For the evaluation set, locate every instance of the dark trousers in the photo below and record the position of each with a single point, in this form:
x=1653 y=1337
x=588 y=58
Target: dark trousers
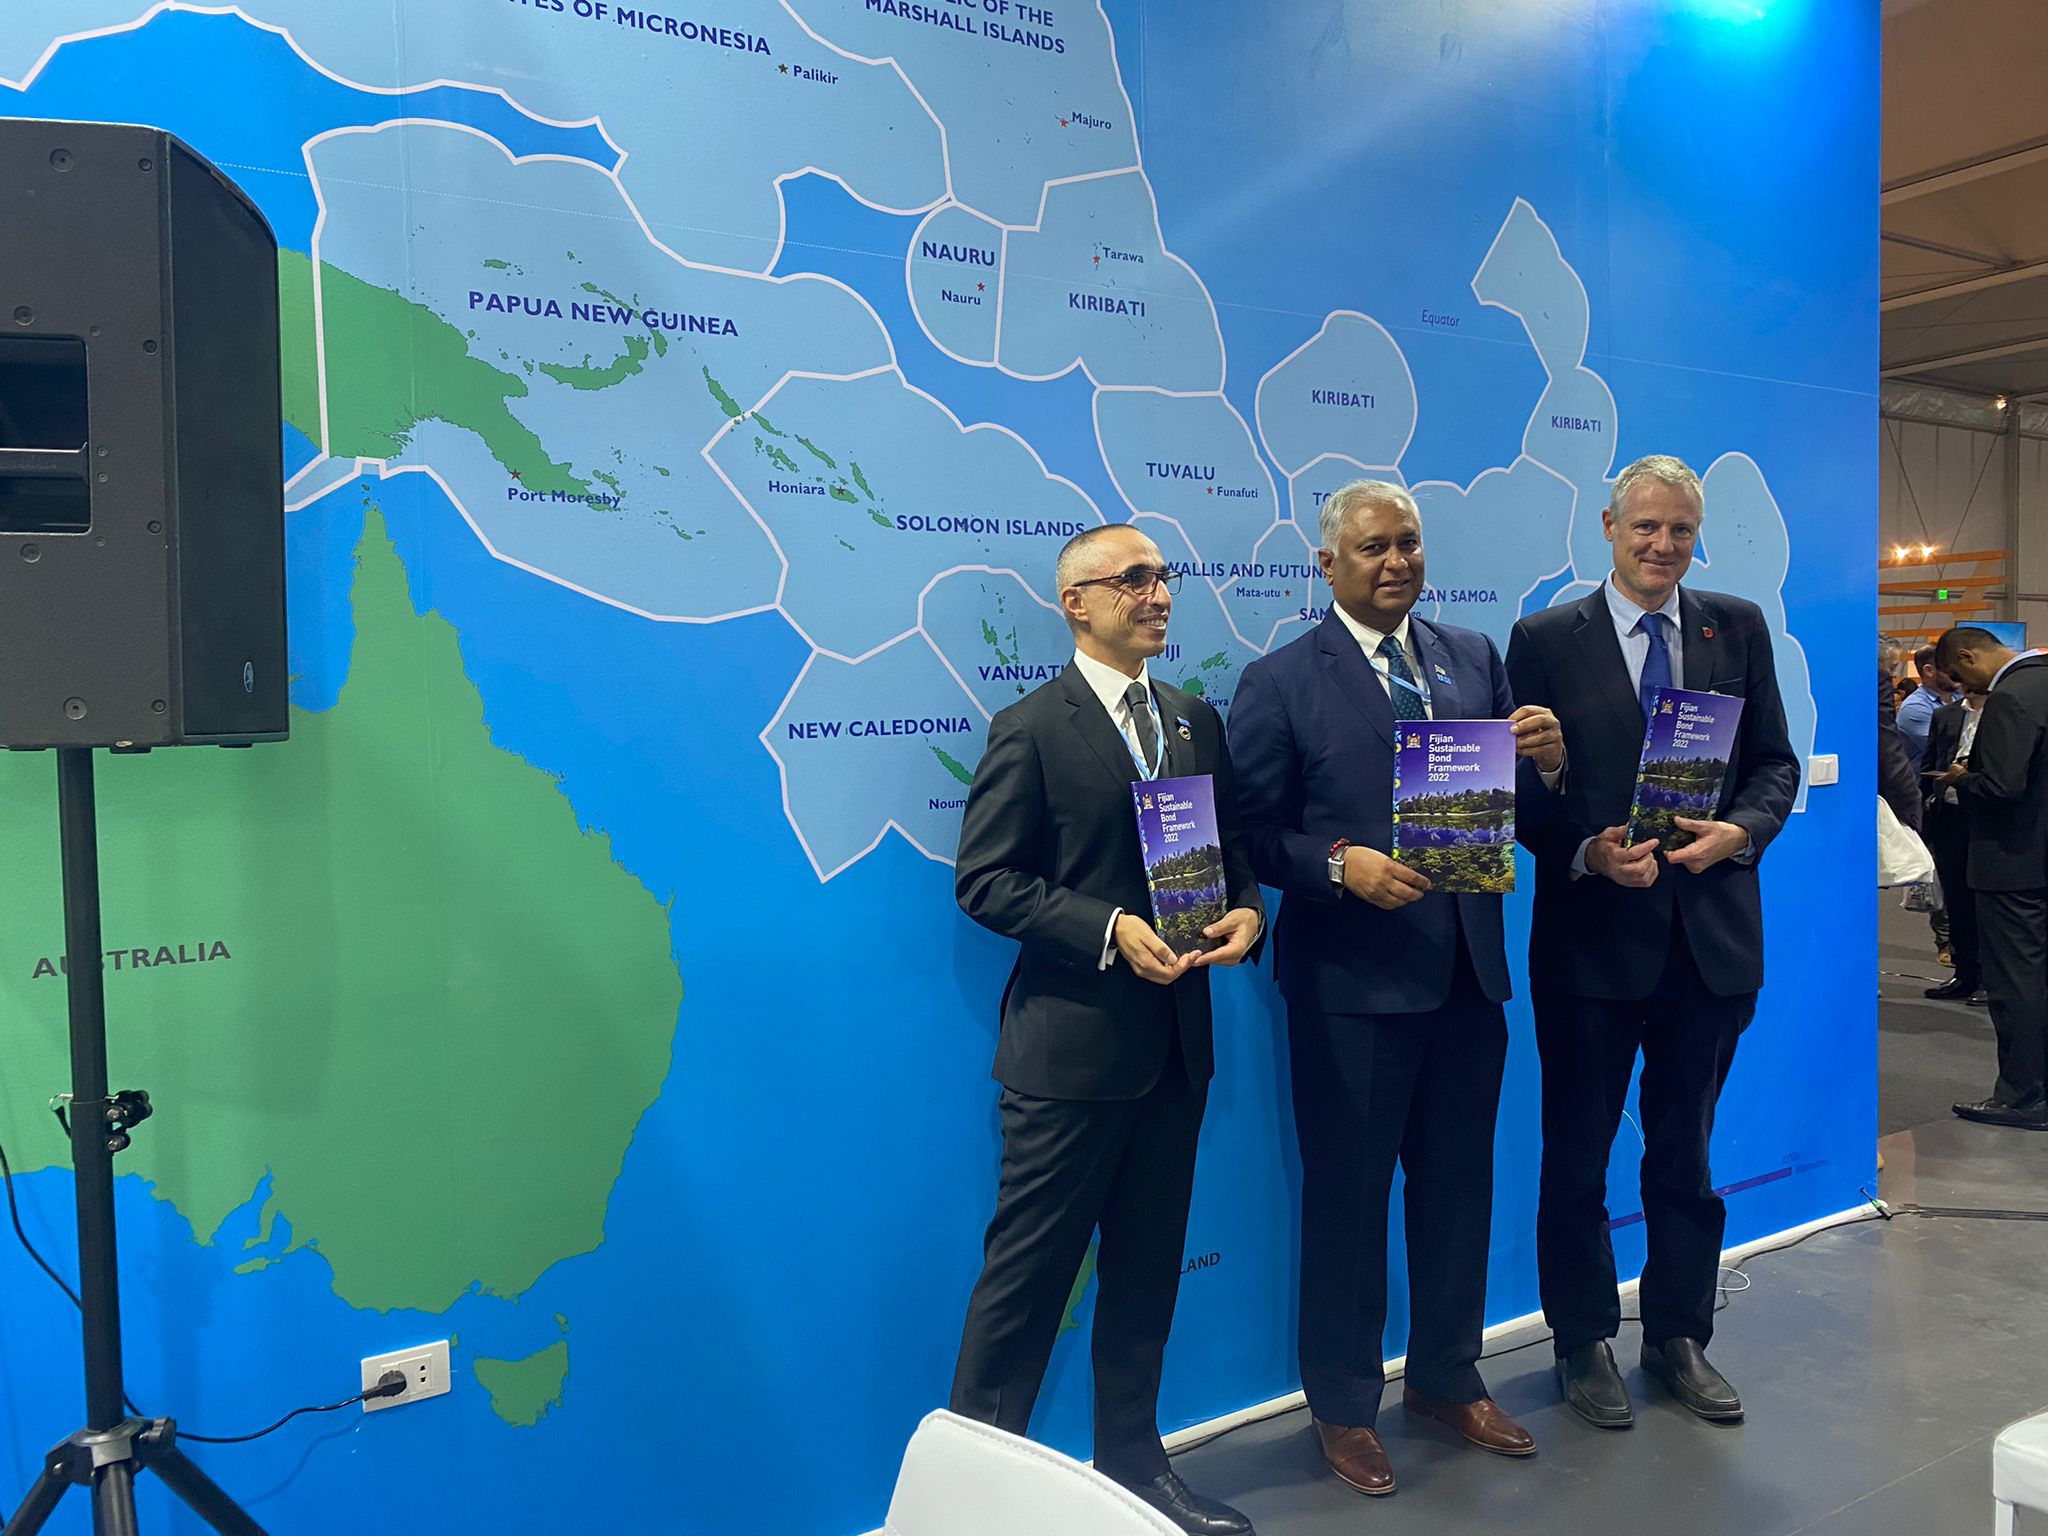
x=1588 y=1046
x=1948 y=839
x=1370 y=1090
x=1070 y=1166
x=2013 y=933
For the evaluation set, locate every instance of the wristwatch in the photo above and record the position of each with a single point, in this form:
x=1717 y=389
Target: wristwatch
x=1337 y=863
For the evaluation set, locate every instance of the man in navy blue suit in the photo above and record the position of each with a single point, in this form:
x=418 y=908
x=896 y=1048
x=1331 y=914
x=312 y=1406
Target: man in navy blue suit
x=1636 y=948
x=1394 y=992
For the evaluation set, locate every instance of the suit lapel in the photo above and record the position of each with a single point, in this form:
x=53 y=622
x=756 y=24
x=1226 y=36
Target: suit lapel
x=1175 y=706
x=1344 y=664
x=1446 y=702
x=1706 y=647
x=1096 y=728
x=1606 y=665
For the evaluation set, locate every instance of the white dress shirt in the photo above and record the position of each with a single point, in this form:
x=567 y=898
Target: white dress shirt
x=1635 y=645
x=1370 y=641
x=1111 y=686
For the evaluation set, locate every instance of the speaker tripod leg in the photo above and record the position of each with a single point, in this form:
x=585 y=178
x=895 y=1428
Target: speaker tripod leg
x=113 y=1500
x=202 y=1495
x=41 y=1502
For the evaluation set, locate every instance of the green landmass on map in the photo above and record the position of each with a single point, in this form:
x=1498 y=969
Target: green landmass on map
x=589 y=376
x=954 y=766
x=373 y=406
x=522 y=1391
x=434 y=1004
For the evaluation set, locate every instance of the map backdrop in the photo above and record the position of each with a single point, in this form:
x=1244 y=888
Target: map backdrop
x=685 y=409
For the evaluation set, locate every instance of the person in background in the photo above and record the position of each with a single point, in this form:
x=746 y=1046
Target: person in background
x=1916 y=712
x=1935 y=690
x=1946 y=827
x=2003 y=786
x=1898 y=778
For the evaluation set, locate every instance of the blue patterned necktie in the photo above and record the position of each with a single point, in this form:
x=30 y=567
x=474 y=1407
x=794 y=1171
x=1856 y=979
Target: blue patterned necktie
x=1656 y=665
x=1405 y=696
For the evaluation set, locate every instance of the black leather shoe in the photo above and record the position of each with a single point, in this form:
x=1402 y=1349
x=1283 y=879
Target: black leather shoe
x=1189 y=1510
x=1951 y=991
x=2030 y=1114
x=1593 y=1387
x=1979 y=999
x=1681 y=1366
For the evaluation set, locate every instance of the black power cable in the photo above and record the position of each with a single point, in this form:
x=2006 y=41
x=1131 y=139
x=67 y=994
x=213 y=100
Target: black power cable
x=390 y=1384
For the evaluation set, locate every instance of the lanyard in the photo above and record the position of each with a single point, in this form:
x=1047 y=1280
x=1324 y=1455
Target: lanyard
x=1149 y=770
x=1379 y=665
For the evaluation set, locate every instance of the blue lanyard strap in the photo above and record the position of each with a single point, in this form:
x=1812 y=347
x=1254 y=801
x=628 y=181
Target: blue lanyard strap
x=1392 y=681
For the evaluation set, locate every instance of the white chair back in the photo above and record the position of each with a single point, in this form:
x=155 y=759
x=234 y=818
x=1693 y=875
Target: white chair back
x=960 y=1478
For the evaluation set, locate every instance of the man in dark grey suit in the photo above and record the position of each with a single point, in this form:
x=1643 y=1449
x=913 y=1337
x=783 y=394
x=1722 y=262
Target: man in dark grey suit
x=2003 y=786
x=1105 y=1053
x=1636 y=948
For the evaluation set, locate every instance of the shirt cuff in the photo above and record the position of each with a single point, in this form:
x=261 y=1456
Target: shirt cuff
x=1579 y=859
x=1109 y=941
x=1551 y=780
x=1746 y=854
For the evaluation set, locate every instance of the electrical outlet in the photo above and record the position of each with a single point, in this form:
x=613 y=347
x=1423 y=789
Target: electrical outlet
x=425 y=1367
x=1823 y=768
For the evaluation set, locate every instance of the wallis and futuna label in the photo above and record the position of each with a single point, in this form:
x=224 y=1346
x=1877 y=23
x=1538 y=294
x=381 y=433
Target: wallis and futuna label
x=143 y=959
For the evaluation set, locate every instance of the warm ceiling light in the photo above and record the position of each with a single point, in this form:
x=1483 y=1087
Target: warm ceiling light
x=1899 y=552
x=1998 y=404
x=1926 y=550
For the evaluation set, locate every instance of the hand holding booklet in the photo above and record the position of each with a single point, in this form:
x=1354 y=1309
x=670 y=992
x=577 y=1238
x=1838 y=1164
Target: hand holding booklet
x=1454 y=803
x=1183 y=858
x=1687 y=747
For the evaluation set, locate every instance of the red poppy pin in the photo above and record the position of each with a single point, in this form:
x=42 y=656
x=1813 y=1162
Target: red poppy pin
x=1706 y=631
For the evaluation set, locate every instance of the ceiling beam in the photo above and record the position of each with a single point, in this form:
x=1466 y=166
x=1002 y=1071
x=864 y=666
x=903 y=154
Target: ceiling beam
x=2013 y=348
x=1941 y=250
x=2033 y=152
x=2019 y=272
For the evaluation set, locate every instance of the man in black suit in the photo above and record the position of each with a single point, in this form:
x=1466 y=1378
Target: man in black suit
x=1946 y=826
x=1641 y=948
x=1395 y=1029
x=2003 y=786
x=1105 y=1053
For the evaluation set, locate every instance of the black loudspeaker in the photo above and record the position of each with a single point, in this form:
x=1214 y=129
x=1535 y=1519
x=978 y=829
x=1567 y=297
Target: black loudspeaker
x=141 y=449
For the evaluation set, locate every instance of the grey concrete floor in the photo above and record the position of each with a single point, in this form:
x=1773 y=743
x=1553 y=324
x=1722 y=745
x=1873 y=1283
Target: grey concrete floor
x=1877 y=1363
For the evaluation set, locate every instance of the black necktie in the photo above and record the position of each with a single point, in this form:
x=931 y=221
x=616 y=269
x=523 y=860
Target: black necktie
x=1141 y=723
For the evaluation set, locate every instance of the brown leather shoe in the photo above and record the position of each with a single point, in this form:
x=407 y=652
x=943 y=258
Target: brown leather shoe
x=1355 y=1455
x=1482 y=1423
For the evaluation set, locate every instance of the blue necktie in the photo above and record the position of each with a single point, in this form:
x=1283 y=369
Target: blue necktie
x=1405 y=696
x=1656 y=665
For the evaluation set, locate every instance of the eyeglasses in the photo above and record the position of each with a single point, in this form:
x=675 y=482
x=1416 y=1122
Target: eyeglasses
x=1137 y=580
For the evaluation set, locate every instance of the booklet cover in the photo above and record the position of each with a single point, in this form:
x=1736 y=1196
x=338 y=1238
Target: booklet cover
x=1183 y=858
x=1454 y=803
x=1686 y=748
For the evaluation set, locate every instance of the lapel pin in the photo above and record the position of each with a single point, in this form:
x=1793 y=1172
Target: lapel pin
x=1706 y=631
x=1442 y=676
x=1186 y=734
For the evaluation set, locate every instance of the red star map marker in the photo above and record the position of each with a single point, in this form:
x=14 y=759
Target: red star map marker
x=515 y=474
x=782 y=69
x=981 y=287
x=1212 y=490
x=1063 y=122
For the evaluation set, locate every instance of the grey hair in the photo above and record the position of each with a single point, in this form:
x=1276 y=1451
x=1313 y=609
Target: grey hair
x=1660 y=467
x=1346 y=499
x=1069 y=568
x=1888 y=652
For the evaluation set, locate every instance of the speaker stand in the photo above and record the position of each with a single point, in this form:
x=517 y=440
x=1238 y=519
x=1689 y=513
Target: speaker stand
x=113 y=1448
